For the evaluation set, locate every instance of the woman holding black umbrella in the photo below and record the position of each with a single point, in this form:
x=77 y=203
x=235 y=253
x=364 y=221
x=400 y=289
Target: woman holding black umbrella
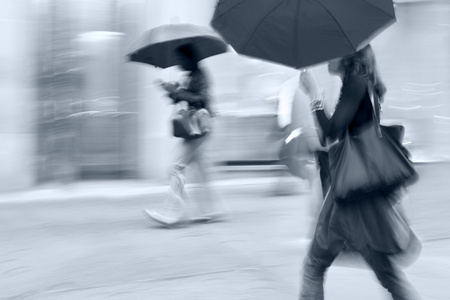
x=184 y=45
x=191 y=151
x=370 y=226
x=305 y=33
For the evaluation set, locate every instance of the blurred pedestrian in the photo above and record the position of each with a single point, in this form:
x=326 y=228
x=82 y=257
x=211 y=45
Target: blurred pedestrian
x=319 y=147
x=191 y=95
x=300 y=138
x=370 y=226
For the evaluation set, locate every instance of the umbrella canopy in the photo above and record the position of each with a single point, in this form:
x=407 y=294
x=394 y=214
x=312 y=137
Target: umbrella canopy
x=301 y=33
x=156 y=46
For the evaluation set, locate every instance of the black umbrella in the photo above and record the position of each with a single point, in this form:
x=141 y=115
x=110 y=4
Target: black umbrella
x=156 y=46
x=301 y=33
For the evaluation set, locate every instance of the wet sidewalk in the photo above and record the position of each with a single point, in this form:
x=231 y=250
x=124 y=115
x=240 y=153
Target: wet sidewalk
x=90 y=241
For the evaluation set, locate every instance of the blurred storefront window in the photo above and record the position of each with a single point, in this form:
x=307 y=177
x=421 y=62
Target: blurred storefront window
x=82 y=127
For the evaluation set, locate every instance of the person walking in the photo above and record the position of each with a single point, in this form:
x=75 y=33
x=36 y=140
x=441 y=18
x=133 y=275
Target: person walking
x=193 y=94
x=370 y=226
x=301 y=140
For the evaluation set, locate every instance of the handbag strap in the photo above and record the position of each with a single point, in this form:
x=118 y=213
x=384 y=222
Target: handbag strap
x=375 y=103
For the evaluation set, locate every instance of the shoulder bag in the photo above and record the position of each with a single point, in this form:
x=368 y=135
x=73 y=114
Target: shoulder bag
x=372 y=161
x=191 y=123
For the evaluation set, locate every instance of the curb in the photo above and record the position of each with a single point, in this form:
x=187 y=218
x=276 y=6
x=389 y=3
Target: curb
x=113 y=190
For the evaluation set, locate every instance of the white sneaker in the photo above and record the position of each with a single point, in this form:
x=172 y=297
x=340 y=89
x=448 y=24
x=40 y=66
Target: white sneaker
x=160 y=219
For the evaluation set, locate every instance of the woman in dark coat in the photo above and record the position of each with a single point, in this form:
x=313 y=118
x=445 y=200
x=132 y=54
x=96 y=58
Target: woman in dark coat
x=371 y=226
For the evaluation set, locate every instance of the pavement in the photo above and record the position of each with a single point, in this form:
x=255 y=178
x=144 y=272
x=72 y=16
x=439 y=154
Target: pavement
x=89 y=240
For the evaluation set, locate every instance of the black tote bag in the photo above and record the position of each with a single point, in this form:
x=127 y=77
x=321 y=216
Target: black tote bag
x=371 y=161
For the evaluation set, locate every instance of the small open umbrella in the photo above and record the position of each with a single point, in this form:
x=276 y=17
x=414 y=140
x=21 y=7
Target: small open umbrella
x=301 y=33
x=156 y=46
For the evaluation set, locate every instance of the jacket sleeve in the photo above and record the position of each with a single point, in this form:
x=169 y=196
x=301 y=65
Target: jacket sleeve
x=196 y=94
x=193 y=98
x=353 y=92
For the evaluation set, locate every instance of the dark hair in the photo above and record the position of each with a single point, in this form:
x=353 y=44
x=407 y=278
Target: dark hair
x=363 y=63
x=189 y=51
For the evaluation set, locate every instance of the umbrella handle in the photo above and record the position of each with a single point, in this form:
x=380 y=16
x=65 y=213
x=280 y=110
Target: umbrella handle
x=308 y=83
x=167 y=86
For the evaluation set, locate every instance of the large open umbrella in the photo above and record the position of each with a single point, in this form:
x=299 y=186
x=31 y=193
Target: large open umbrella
x=301 y=33
x=156 y=46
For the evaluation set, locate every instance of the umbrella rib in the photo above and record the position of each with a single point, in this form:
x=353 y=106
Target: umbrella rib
x=223 y=12
x=337 y=22
x=252 y=32
x=296 y=35
x=380 y=9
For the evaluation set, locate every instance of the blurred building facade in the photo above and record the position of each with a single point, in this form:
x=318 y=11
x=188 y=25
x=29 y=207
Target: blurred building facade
x=73 y=108
x=18 y=92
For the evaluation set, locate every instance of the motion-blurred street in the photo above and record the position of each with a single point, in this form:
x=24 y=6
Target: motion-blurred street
x=90 y=241
x=87 y=142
